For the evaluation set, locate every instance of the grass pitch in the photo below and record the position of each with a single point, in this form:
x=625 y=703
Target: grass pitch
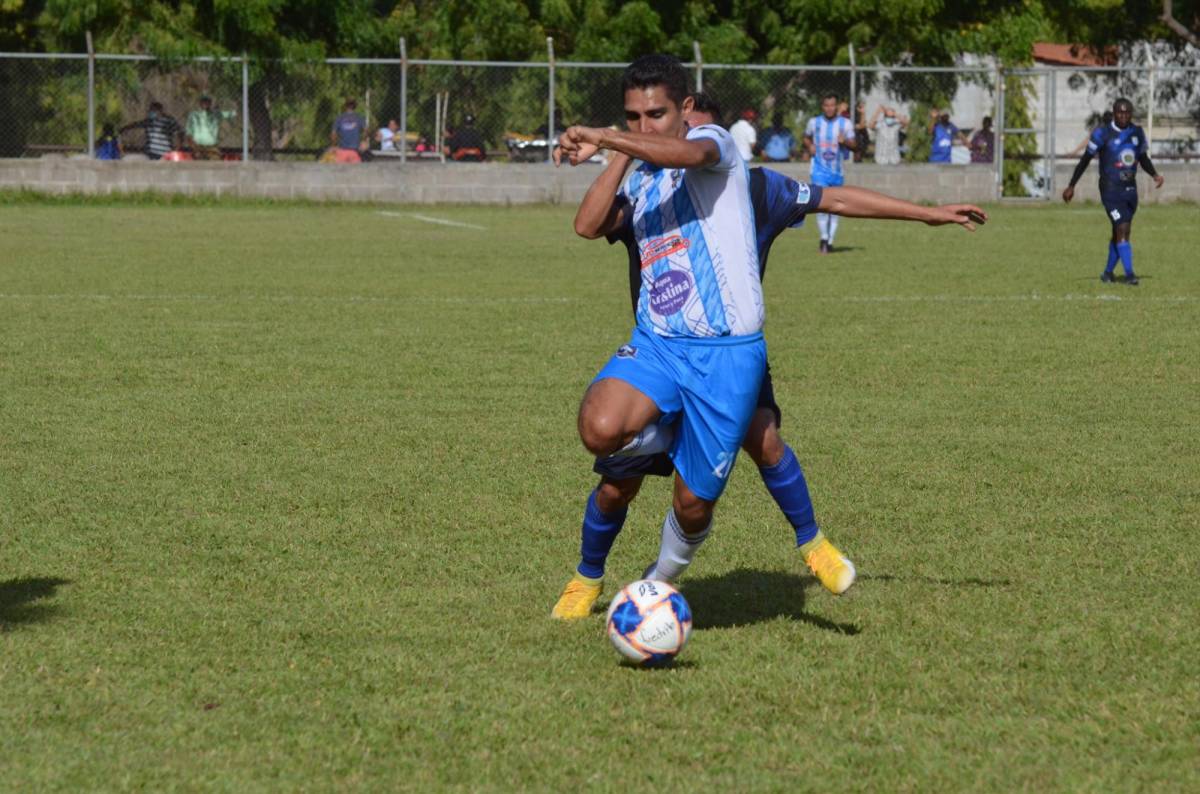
x=287 y=493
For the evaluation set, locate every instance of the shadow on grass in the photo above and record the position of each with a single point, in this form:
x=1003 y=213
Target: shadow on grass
x=17 y=597
x=742 y=597
x=969 y=581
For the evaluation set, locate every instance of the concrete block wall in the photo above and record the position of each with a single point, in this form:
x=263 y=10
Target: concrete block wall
x=487 y=183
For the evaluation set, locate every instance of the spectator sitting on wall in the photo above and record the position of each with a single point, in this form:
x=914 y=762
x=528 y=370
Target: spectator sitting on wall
x=204 y=129
x=779 y=145
x=465 y=144
x=943 y=133
x=887 y=134
x=162 y=131
x=108 y=145
x=388 y=137
x=347 y=134
x=983 y=143
x=745 y=137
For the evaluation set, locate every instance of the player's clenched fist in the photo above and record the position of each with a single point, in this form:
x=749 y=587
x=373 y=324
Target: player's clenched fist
x=578 y=144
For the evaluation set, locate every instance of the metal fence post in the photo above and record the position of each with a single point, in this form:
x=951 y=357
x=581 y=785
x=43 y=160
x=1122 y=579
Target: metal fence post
x=853 y=99
x=699 y=65
x=245 y=108
x=1150 y=101
x=1051 y=118
x=550 y=105
x=403 y=101
x=91 y=98
x=1001 y=123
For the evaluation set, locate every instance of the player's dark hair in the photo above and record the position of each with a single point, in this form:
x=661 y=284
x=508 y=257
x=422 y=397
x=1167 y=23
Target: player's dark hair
x=987 y=121
x=1123 y=101
x=704 y=103
x=830 y=95
x=653 y=70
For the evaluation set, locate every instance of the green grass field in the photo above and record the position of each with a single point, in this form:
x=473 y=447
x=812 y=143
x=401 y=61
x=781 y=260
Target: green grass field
x=287 y=493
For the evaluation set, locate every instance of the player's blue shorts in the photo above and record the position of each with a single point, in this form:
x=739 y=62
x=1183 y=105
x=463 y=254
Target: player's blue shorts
x=709 y=384
x=826 y=178
x=1120 y=206
x=626 y=467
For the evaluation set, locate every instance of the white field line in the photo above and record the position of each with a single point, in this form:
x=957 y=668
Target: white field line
x=185 y=298
x=427 y=219
x=536 y=299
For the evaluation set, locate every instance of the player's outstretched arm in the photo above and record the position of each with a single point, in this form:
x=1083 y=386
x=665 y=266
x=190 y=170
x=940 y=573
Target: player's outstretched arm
x=600 y=212
x=580 y=143
x=858 y=202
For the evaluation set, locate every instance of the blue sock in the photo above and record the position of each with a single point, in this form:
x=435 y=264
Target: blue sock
x=599 y=531
x=785 y=481
x=1112 y=257
x=1125 y=251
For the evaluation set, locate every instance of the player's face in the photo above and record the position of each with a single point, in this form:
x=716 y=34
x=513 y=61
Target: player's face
x=829 y=107
x=651 y=110
x=1122 y=115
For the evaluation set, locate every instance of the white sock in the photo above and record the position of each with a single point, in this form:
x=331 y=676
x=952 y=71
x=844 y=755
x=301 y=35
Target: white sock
x=676 y=550
x=823 y=225
x=653 y=439
x=833 y=222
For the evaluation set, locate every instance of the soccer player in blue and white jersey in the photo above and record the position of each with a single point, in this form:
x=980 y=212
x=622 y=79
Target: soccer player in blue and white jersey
x=779 y=203
x=1121 y=147
x=825 y=137
x=696 y=357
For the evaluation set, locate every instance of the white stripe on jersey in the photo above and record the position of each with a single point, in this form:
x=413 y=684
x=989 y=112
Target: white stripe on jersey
x=695 y=230
x=824 y=133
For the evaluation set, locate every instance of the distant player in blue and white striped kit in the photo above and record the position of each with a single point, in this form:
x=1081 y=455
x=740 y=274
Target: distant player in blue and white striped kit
x=1121 y=146
x=826 y=137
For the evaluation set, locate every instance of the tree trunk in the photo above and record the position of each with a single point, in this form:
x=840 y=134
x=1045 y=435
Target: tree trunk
x=260 y=121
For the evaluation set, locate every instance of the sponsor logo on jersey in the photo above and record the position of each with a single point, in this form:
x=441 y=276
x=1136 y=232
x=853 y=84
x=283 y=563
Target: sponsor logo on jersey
x=659 y=247
x=829 y=154
x=803 y=194
x=626 y=351
x=1128 y=158
x=669 y=292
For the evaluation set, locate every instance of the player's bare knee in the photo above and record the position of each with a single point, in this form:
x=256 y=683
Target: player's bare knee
x=763 y=443
x=614 y=495
x=600 y=431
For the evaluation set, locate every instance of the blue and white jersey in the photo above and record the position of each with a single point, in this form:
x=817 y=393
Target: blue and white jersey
x=695 y=235
x=827 y=161
x=1118 y=150
x=780 y=203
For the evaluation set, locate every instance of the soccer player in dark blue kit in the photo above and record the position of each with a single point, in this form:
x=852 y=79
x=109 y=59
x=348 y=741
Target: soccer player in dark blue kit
x=779 y=203
x=1121 y=147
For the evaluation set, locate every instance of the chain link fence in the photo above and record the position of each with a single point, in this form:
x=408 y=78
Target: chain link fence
x=63 y=104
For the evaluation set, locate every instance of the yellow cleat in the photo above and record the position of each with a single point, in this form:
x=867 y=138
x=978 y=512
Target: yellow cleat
x=831 y=567
x=577 y=598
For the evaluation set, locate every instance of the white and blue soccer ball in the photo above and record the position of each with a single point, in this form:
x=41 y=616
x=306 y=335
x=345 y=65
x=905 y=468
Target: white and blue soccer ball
x=649 y=622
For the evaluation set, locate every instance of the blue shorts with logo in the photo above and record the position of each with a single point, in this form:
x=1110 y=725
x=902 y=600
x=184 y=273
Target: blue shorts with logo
x=1120 y=206
x=626 y=467
x=709 y=384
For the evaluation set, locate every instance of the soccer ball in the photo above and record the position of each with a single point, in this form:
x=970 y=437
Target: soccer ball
x=649 y=622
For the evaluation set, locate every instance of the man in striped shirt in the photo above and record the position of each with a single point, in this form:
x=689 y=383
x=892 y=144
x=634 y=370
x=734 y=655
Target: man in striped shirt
x=825 y=137
x=162 y=131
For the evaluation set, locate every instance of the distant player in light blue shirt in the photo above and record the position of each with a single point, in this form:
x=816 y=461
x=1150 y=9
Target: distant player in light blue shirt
x=826 y=137
x=1121 y=147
